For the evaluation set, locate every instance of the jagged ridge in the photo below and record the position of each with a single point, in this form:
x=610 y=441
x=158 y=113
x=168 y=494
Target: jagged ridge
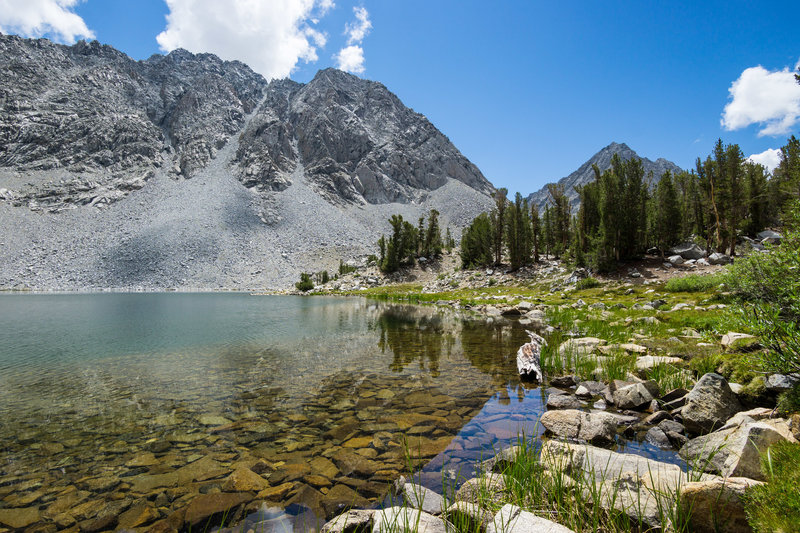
x=585 y=173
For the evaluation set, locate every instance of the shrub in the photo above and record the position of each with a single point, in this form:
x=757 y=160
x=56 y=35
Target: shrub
x=694 y=283
x=775 y=505
x=305 y=284
x=344 y=268
x=789 y=401
x=587 y=283
x=769 y=288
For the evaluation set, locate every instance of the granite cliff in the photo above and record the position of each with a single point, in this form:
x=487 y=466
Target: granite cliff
x=188 y=171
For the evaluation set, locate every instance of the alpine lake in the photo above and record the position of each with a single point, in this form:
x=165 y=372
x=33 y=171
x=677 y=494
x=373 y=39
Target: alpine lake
x=118 y=410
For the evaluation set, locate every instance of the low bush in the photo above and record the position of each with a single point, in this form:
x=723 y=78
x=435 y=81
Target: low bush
x=694 y=283
x=587 y=283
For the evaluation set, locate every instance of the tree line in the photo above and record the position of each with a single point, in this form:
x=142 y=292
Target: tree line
x=622 y=214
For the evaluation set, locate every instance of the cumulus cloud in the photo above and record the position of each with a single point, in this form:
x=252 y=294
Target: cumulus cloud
x=39 y=18
x=351 y=57
x=271 y=37
x=769 y=158
x=768 y=98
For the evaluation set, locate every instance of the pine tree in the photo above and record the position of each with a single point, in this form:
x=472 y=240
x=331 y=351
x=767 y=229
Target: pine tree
x=787 y=174
x=559 y=218
x=433 y=236
x=536 y=231
x=477 y=243
x=757 y=197
x=498 y=218
x=518 y=232
x=666 y=213
x=547 y=230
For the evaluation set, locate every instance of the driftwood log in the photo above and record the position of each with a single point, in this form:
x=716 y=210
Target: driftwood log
x=528 y=357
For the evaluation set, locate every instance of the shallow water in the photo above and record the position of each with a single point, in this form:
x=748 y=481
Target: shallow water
x=113 y=401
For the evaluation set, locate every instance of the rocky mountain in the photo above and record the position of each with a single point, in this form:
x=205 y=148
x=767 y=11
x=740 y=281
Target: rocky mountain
x=188 y=171
x=585 y=173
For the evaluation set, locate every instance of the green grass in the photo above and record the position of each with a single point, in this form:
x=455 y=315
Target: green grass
x=775 y=506
x=670 y=377
x=694 y=283
x=577 y=499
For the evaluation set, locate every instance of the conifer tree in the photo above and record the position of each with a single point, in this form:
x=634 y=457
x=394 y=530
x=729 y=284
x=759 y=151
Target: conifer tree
x=498 y=218
x=518 y=232
x=536 y=232
x=433 y=236
x=559 y=218
x=757 y=197
x=666 y=213
x=477 y=243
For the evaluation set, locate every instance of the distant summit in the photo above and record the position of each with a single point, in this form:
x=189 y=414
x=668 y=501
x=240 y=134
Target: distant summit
x=602 y=159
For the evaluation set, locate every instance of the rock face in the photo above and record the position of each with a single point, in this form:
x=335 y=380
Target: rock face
x=356 y=140
x=709 y=404
x=188 y=171
x=93 y=124
x=602 y=159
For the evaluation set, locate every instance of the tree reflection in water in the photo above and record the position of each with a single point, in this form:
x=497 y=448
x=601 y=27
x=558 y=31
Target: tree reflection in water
x=425 y=335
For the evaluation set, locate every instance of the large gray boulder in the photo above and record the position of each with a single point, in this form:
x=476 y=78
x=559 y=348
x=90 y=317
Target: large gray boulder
x=735 y=451
x=719 y=259
x=709 y=404
x=717 y=505
x=573 y=424
x=688 y=250
x=512 y=519
x=625 y=483
x=422 y=498
x=468 y=516
x=636 y=396
x=408 y=519
x=350 y=522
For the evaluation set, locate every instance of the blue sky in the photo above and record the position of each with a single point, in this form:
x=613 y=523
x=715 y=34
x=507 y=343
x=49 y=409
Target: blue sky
x=527 y=90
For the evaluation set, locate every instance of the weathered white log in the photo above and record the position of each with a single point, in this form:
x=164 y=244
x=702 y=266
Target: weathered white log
x=528 y=357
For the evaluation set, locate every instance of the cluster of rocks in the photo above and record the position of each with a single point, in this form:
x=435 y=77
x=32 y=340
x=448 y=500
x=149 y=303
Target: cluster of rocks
x=333 y=453
x=420 y=509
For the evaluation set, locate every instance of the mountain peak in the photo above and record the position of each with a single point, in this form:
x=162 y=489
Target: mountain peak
x=585 y=173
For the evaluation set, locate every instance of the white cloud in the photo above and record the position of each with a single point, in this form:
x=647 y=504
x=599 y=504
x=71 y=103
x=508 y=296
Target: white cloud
x=39 y=18
x=351 y=57
x=769 y=158
x=359 y=29
x=768 y=98
x=271 y=37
